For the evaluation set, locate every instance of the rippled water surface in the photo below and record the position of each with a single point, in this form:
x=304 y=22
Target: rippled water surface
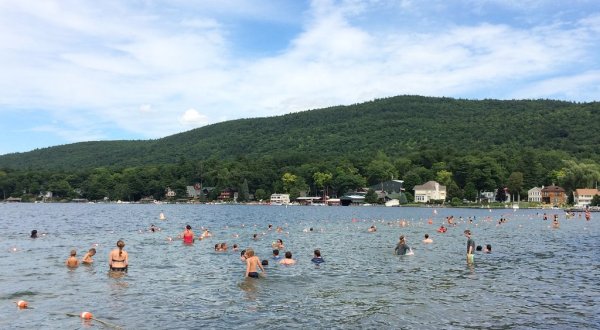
x=536 y=277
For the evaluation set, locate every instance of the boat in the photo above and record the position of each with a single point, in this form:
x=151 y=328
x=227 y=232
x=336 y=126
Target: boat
x=392 y=202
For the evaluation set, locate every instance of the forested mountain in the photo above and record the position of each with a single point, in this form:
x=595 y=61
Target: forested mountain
x=397 y=126
x=478 y=142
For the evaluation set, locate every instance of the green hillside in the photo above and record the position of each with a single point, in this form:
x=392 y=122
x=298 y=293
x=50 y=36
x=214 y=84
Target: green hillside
x=467 y=145
x=398 y=126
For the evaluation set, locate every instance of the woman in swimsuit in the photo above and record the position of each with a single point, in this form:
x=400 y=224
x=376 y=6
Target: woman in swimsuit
x=188 y=235
x=118 y=259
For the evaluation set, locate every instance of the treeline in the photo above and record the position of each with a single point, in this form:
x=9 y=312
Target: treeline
x=463 y=175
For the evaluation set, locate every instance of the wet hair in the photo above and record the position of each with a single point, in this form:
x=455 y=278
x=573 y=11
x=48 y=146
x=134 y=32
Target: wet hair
x=73 y=253
x=279 y=241
x=235 y=246
x=188 y=227
x=120 y=245
x=478 y=248
x=288 y=255
x=217 y=246
x=92 y=250
x=426 y=235
x=34 y=233
x=317 y=253
x=402 y=240
x=311 y=229
x=265 y=262
x=468 y=232
x=250 y=252
x=489 y=247
x=275 y=252
x=242 y=253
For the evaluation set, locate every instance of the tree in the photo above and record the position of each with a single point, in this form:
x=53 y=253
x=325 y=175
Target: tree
x=515 y=184
x=501 y=195
x=261 y=195
x=371 y=197
x=595 y=200
x=289 y=181
x=243 y=192
x=380 y=169
x=322 y=180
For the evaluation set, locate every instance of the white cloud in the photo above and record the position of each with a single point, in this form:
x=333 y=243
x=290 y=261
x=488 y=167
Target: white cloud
x=134 y=66
x=192 y=117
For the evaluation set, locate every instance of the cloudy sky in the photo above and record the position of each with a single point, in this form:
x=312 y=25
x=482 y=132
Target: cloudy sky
x=87 y=70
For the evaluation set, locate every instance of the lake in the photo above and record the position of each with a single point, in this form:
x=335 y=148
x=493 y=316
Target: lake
x=536 y=276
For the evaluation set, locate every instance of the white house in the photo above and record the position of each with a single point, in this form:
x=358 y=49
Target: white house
x=583 y=197
x=280 y=198
x=534 y=195
x=429 y=191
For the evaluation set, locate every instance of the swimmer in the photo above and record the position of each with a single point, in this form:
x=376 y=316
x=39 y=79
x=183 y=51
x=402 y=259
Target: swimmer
x=252 y=263
x=427 y=240
x=470 y=246
x=442 y=229
x=276 y=255
x=153 y=228
x=235 y=247
x=317 y=259
x=87 y=258
x=72 y=261
x=401 y=248
x=265 y=262
x=372 y=229
x=479 y=248
x=488 y=248
x=288 y=259
x=555 y=223
x=278 y=244
x=34 y=234
x=188 y=235
x=118 y=259
x=243 y=255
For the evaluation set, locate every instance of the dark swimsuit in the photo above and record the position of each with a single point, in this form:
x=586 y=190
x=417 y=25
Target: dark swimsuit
x=118 y=269
x=253 y=274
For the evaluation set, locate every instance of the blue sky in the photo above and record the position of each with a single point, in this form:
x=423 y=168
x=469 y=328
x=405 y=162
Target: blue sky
x=79 y=70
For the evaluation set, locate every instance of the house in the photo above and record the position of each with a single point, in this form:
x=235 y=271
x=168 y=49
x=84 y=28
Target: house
x=430 y=191
x=583 y=197
x=280 y=199
x=535 y=194
x=390 y=187
x=197 y=191
x=554 y=195
x=487 y=196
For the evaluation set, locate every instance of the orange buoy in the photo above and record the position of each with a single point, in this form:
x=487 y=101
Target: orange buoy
x=87 y=315
x=22 y=304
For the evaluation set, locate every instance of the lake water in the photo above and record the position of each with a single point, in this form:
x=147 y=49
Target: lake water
x=536 y=277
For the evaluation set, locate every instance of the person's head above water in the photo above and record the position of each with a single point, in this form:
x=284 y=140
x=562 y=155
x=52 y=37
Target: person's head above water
x=34 y=234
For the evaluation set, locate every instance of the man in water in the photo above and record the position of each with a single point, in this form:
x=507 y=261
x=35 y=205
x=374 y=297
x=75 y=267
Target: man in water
x=427 y=240
x=317 y=259
x=401 y=248
x=470 y=246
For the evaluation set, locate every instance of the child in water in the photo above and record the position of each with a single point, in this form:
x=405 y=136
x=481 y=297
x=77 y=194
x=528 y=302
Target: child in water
x=87 y=258
x=72 y=261
x=252 y=263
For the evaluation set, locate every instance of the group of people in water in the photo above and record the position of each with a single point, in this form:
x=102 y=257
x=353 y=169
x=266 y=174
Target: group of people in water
x=118 y=257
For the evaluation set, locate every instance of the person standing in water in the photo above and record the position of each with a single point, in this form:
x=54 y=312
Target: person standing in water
x=72 y=261
x=87 y=258
x=188 y=235
x=401 y=248
x=252 y=264
x=470 y=246
x=118 y=259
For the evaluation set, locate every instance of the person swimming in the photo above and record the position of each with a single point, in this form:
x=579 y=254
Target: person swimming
x=34 y=234
x=288 y=259
x=427 y=240
x=317 y=259
x=72 y=261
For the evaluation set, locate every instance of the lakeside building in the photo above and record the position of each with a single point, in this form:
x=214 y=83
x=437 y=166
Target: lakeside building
x=430 y=191
x=280 y=198
x=583 y=197
x=535 y=194
x=554 y=195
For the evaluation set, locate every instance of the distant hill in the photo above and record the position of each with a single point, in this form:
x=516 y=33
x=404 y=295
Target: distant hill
x=398 y=126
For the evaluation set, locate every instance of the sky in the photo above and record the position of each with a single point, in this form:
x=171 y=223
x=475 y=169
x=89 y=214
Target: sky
x=87 y=70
